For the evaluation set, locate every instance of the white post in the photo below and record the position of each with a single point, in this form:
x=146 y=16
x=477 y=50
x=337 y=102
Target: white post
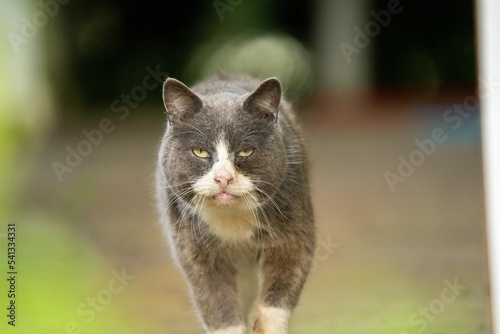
x=488 y=29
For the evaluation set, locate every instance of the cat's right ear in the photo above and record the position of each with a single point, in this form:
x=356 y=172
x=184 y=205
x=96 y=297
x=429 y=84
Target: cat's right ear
x=180 y=102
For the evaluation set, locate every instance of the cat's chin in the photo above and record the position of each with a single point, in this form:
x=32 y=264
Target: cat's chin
x=225 y=198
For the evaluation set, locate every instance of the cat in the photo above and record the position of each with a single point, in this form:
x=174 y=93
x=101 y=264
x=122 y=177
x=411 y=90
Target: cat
x=233 y=187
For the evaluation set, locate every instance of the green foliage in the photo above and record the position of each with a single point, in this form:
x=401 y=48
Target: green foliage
x=58 y=275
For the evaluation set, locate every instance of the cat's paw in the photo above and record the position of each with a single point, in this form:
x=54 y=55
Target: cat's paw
x=271 y=320
x=230 y=330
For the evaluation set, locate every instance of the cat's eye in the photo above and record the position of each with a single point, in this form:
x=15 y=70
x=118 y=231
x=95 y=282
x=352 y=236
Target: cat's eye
x=201 y=153
x=245 y=153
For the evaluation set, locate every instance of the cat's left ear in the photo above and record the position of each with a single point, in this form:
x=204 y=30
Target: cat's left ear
x=180 y=102
x=264 y=102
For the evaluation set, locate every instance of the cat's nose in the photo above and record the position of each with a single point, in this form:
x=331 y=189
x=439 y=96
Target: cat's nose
x=223 y=180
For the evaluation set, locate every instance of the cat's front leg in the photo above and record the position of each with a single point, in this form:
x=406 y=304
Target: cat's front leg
x=283 y=272
x=213 y=288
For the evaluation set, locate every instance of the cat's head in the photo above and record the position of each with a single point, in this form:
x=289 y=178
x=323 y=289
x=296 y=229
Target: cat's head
x=223 y=148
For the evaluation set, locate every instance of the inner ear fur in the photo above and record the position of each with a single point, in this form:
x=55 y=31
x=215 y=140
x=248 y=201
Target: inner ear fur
x=179 y=101
x=265 y=100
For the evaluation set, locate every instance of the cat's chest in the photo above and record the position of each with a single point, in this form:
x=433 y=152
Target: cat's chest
x=231 y=225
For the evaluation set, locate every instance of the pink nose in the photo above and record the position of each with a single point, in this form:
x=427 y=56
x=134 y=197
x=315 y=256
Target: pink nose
x=223 y=180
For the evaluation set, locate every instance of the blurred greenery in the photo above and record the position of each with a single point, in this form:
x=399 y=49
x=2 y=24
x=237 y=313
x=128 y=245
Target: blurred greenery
x=397 y=308
x=109 y=44
x=58 y=273
x=105 y=46
x=261 y=56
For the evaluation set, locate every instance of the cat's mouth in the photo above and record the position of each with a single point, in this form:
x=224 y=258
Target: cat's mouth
x=224 y=198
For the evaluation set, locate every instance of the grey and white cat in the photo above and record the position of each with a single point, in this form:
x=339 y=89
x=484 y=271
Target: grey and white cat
x=234 y=193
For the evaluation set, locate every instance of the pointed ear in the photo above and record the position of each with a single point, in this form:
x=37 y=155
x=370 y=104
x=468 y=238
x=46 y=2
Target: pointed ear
x=180 y=102
x=265 y=100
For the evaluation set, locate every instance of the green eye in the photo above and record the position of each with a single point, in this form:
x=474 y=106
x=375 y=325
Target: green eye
x=201 y=153
x=245 y=153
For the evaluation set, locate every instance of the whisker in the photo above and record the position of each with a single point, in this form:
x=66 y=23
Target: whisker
x=266 y=182
x=165 y=186
x=177 y=197
x=267 y=227
x=251 y=202
x=271 y=200
x=196 y=224
x=184 y=211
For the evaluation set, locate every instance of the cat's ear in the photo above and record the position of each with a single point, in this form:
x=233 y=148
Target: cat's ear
x=180 y=102
x=265 y=100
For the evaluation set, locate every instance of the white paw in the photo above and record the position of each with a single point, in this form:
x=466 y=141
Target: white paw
x=272 y=320
x=230 y=330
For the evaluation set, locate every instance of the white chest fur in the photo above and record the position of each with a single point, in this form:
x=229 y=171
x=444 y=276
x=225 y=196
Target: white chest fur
x=230 y=225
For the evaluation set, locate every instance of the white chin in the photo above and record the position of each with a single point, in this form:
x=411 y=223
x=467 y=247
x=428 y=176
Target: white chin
x=229 y=201
x=224 y=198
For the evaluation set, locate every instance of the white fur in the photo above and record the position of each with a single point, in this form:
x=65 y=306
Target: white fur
x=237 y=219
x=230 y=330
x=274 y=320
x=223 y=166
x=230 y=225
x=222 y=152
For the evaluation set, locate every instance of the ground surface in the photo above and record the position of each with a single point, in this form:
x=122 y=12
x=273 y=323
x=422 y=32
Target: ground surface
x=386 y=257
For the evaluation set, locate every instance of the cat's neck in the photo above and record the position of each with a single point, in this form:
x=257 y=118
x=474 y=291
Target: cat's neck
x=230 y=225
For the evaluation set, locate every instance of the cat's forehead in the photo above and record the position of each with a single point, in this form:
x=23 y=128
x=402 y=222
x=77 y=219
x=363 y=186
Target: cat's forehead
x=223 y=103
x=224 y=113
x=222 y=118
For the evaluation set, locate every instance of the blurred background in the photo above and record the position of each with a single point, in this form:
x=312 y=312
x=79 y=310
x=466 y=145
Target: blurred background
x=387 y=93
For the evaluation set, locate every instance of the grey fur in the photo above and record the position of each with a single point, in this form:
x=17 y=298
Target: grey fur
x=248 y=114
